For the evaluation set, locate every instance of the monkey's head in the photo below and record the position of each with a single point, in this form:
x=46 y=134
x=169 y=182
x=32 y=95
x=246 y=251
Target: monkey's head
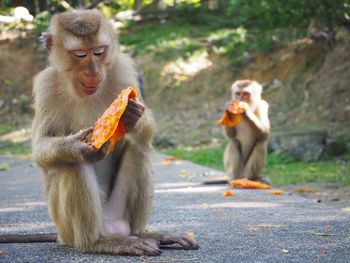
x=82 y=46
x=248 y=91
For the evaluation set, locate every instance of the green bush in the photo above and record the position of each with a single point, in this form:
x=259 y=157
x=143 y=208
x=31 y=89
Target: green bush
x=42 y=22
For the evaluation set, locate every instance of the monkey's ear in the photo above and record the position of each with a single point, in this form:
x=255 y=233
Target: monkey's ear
x=46 y=40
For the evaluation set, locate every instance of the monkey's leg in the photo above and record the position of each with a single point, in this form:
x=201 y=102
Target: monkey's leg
x=255 y=162
x=75 y=207
x=233 y=159
x=126 y=211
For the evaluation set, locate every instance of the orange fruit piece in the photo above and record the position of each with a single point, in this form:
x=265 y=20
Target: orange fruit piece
x=228 y=193
x=249 y=184
x=233 y=115
x=108 y=127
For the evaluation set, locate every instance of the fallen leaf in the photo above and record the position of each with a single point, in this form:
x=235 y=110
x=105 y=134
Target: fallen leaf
x=184 y=173
x=328 y=227
x=331 y=244
x=4 y=167
x=3 y=251
x=253 y=228
x=285 y=251
x=324 y=252
x=322 y=234
x=249 y=184
x=228 y=193
x=108 y=127
x=305 y=190
x=171 y=158
x=238 y=248
x=275 y=192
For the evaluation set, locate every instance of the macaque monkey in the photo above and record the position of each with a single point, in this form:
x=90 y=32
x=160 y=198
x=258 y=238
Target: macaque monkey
x=317 y=32
x=245 y=153
x=99 y=203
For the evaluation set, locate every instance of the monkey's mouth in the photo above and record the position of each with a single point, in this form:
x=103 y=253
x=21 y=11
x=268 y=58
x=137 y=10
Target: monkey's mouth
x=89 y=88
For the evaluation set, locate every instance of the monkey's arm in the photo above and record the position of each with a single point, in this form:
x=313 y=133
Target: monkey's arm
x=259 y=120
x=49 y=150
x=143 y=131
x=229 y=132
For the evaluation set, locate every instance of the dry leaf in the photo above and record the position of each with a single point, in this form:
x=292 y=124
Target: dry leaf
x=331 y=244
x=275 y=192
x=238 y=248
x=109 y=127
x=328 y=227
x=3 y=251
x=249 y=184
x=305 y=190
x=171 y=158
x=228 y=193
x=4 y=167
x=324 y=252
x=322 y=234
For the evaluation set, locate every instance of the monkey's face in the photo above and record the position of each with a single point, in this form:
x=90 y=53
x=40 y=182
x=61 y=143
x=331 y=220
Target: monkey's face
x=89 y=69
x=242 y=95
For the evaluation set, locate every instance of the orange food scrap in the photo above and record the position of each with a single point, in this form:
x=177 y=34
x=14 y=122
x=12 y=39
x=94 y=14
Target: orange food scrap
x=233 y=115
x=275 y=192
x=108 y=127
x=249 y=184
x=190 y=234
x=228 y=193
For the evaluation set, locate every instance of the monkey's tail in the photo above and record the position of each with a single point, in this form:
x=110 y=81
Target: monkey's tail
x=28 y=238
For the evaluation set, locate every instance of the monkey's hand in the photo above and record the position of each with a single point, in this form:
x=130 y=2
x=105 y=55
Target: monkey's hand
x=132 y=114
x=88 y=152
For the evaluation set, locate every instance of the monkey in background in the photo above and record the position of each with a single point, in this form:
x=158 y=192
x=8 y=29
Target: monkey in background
x=245 y=154
x=99 y=203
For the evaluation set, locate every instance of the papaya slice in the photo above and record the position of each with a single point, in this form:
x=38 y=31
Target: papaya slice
x=108 y=127
x=249 y=184
x=233 y=115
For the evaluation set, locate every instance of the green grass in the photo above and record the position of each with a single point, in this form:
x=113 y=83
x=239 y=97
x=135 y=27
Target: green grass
x=11 y=148
x=282 y=170
x=7 y=147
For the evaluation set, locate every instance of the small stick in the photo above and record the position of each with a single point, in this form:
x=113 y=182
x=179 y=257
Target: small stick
x=28 y=238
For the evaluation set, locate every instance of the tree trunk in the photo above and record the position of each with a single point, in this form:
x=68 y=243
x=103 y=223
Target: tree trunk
x=137 y=4
x=42 y=5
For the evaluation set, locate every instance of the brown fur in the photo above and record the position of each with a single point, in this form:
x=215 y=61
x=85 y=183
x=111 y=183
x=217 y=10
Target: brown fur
x=245 y=153
x=85 y=196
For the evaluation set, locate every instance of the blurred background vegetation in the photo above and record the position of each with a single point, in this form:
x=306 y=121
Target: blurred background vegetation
x=189 y=53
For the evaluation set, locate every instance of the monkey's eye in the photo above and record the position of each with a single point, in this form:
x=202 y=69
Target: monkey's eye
x=99 y=51
x=80 y=53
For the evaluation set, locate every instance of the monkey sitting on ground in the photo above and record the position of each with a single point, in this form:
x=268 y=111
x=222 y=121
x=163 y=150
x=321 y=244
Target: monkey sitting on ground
x=99 y=203
x=245 y=153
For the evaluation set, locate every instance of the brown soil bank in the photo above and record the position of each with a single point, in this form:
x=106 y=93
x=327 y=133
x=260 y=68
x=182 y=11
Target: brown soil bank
x=306 y=85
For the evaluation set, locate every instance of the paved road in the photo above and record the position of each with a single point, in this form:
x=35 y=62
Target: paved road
x=251 y=226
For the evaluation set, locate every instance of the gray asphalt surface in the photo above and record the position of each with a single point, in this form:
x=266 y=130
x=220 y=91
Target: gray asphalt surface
x=251 y=226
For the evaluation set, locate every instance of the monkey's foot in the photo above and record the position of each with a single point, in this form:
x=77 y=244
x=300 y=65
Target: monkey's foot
x=116 y=228
x=142 y=246
x=186 y=240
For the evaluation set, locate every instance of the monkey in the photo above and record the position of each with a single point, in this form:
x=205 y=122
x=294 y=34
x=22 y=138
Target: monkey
x=98 y=202
x=245 y=154
x=315 y=31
